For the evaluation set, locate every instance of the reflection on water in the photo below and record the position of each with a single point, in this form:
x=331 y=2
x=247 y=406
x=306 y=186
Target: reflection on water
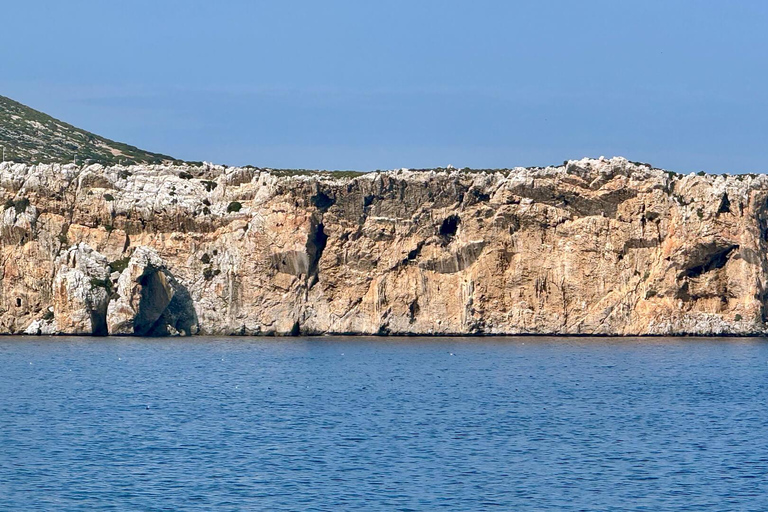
x=383 y=424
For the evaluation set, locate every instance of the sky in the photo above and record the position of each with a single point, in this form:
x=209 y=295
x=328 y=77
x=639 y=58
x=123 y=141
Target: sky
x=387 y=84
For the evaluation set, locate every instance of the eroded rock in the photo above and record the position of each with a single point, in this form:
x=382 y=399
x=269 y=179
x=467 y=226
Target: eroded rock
x=149 y=301
x=595 y=246
x=81 y=289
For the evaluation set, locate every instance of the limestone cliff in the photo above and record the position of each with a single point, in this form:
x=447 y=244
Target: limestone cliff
x=590 y=247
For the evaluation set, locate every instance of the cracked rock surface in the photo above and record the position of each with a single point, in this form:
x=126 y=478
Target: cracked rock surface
x=596 y=246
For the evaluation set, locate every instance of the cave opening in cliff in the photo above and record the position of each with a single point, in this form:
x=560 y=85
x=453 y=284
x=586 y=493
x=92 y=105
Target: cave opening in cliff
x=99 y=321
x=725 y=205
x=316 y=242
x=165 y=307
x=450 y=226
x=156 y=294
x=714 y=261
x=322 y=201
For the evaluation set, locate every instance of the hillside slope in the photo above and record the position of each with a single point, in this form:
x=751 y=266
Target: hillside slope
x=30 y=136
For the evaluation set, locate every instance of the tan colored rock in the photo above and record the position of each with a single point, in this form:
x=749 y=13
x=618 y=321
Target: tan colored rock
x=596 y=246
x=80 y=292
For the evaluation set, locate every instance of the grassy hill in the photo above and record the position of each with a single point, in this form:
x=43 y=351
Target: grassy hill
x=30 y=136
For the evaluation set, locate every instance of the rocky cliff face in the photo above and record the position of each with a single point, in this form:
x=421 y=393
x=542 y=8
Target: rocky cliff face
x=591 y=247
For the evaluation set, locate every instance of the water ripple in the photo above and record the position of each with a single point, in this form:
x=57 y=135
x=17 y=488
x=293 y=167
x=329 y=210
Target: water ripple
x=383 y=424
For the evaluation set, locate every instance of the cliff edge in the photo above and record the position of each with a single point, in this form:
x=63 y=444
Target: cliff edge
x=596 y=246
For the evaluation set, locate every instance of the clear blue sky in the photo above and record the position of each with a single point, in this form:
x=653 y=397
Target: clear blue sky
x=385 y=84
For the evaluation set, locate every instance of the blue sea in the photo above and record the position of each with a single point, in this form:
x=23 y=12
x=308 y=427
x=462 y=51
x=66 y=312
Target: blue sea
x=409 y=424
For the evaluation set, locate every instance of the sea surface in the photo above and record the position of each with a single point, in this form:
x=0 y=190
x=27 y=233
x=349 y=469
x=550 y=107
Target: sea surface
x=371 y=424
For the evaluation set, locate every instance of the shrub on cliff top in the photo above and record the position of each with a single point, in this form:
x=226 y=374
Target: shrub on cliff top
x=209 y=273
x=101 y=283
x=234 y=206
x=119 y=265
x=20 y=205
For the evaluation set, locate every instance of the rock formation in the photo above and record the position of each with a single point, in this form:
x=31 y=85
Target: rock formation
x=80 y=291
x=148 y=300
x=591 y=247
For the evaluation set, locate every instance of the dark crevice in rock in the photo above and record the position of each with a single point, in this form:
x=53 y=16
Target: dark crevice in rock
x=481 y=196
x=725 y=205
x=450 y=226
x=180 y=314
x=316 y=242
x=411 y=256
x=165 y=307
x=99 y=320
x=156 y=294
x=305 y=262
x=414 y=253
x=714 y=261
x=682 y=293
x=413 y=310
x=322 y=201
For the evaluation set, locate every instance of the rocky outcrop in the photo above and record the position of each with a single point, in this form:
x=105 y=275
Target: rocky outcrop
x=81 y=290
x=149 y=301
x=600 y=246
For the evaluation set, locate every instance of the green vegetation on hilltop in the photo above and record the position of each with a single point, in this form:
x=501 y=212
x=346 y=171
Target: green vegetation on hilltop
x=30 y=136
